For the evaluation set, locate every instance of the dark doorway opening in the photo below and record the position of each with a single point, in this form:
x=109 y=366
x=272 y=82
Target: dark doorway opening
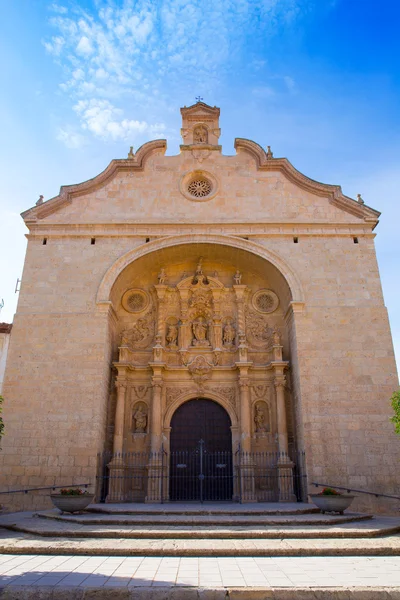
x=201 y=452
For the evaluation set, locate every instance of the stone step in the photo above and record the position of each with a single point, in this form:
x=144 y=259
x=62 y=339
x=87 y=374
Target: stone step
x=73 y=530
x=200 y=520
x=194 y=508
x=21 y=543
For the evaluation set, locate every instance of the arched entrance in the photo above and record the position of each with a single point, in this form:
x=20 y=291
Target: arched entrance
x=201 y=452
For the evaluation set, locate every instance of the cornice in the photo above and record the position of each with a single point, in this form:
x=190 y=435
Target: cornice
x=333 y=192
x=67 y=192
x=243 y=229
x=188 y=110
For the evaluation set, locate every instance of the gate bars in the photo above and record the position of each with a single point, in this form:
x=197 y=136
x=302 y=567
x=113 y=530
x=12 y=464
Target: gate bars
x=197 y=475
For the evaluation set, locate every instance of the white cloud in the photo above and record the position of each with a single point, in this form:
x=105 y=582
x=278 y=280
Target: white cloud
x=106 y=121
x=84 y=46
x=72 y=139
x=62 y=10
x=132 y=50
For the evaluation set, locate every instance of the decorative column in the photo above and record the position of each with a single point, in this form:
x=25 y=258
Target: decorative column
x=117 y=466
x=240 y=293
x=161 y=290
x=156 y=475
x=246 y=465
x=217 y=320
x=285 y=465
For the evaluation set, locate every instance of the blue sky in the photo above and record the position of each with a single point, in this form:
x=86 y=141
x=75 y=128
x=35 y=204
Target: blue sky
x=318 y=80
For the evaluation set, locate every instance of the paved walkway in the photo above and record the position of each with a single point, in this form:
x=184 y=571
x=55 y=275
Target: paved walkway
x=169 y=572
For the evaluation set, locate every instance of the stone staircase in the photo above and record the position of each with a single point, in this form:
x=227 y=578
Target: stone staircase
x=200 y=530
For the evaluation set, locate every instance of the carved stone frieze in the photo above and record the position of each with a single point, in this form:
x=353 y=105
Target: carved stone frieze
x=172 y=393
x=227 y=392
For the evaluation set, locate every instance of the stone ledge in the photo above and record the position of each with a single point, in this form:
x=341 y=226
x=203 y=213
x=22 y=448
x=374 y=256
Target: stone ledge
x=196 y=593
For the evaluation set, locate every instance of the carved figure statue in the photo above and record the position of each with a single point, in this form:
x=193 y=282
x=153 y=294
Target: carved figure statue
x=200 y=135
x=200 y=331
x=237 y=277
x=140 y=419
x=276 y=337
x=259 y=419
x=229 y=334
x=162 y=276
x=172 y=335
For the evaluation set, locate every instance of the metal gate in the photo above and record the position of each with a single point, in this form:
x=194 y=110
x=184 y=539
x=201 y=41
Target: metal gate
x=200 y=475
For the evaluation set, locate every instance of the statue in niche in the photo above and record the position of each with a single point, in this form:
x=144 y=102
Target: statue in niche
x=229 y=334
x=172 y=335
x=139 y=420
x=200 y=135
x=237 y=278
x=162 y=276
x=200 y=332
x=259 y=420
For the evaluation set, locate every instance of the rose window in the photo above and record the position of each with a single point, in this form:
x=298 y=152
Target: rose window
x=199 y=187
x=265 y=301
x=136 y=302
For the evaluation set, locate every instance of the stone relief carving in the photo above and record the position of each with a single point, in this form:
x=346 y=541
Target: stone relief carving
x=171 y=336
x=140 y=391
x=139 y=418
x=200 y=332
x=229 y=335
x=261 y=417
x=257 y=329
x=200 y=369
x=173 y=393
x=227 y=392
x=200 y=155
x=260 y=391
x=141 y=334
x=200 y=135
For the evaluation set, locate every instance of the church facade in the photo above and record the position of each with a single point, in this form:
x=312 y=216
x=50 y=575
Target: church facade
x=195 y=304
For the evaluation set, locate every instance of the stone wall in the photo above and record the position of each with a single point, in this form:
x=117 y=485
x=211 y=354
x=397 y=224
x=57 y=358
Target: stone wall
x=57 y=385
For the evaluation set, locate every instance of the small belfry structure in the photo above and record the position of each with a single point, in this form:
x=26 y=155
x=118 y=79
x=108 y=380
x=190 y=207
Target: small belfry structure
x=200 y=327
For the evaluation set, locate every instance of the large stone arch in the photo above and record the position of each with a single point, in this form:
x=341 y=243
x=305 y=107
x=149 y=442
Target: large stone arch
x=192 y=395
x=103 y=293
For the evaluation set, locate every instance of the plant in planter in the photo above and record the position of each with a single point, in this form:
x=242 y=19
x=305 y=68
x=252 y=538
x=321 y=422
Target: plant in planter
x=72 y=500
x=330 y=500
x=395 y=402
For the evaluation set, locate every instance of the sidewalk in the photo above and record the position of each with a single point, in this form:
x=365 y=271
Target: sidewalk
x=23 y=576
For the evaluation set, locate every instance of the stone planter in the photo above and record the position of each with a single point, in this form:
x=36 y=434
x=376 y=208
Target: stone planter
x=71 y=504
x=332 y=503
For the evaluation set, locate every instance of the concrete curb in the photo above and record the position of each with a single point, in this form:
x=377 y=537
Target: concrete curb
x=194 y=593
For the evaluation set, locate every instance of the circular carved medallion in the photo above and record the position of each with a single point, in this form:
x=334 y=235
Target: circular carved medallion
x=265 y=301
x=135 y=301
x=199 y=186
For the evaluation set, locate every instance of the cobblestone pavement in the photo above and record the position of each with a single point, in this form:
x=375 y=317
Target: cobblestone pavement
x=122 y=571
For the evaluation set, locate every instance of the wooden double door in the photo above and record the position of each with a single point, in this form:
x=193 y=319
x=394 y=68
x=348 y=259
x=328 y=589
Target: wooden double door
x=201 y=462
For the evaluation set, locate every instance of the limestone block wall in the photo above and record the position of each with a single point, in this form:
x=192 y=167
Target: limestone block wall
x=56 y=388
x=345 y=370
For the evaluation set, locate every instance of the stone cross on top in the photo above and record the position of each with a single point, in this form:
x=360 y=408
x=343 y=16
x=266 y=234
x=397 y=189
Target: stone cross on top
x=200 y=126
